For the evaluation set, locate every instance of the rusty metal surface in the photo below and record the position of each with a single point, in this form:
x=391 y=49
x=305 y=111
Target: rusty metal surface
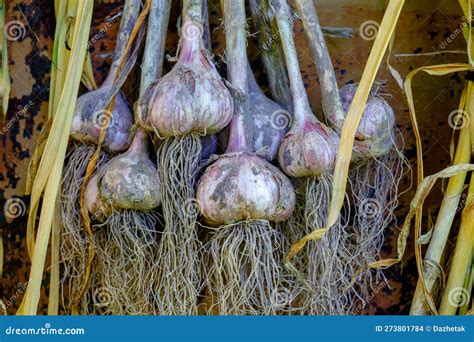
x=424 y=26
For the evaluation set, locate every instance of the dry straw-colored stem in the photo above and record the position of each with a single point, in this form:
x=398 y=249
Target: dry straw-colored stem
x=5 y=84
x=462 y=257
x=48 y=178
x=450 y=201
x=53 y=297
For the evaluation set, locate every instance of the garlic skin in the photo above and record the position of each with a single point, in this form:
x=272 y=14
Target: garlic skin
x=87 y=121
x=241 y=186
x=130 y=180
x=271 y=121
x=347 y=94
x=98 y=208
x=308 y=150
x=378 y=118
x=191 y=98
x=375 y=134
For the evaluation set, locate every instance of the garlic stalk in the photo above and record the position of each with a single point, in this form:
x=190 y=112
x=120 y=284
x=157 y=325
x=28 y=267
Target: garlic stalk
x=89 y=116
x=307 y=153
x=240 y=193
x=189 y=102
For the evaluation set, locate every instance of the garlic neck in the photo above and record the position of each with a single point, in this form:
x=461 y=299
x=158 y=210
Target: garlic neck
x=191 y=30
x=139 y=143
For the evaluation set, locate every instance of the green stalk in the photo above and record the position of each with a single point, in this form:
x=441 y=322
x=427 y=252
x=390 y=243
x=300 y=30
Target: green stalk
x=272 y=52
x=332 y=104
x=153 y=56
x=4 y=73
x=236 y=51
x=206 y=27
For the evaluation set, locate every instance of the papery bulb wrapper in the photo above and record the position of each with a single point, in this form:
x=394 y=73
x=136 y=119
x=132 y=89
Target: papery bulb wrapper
x=130 y=180
x=242 y=186
x=89 y=117
x=308 y=150
x=375 y=131
x=191 y=98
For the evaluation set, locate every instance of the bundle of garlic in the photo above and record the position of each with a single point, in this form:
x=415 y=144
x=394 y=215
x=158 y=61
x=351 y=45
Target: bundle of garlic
x=240 y=193
x=87 y=122
x=125 y=193
x=189 y=102
x=377 y=160
x=307 y=154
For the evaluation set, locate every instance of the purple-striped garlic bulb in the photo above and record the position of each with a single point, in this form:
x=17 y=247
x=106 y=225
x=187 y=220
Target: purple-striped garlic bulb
x=308 y=149
x=191 y=98
x=241 y=186
x=91 y=112
x=374 y=136
x=88 y=119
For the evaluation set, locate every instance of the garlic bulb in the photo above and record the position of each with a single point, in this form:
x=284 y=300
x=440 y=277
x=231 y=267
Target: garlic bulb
x=192 y=97
x=308 y=149
x=97 y=207
x=87 y=121
x=241 y=186
x=347 y=94
x=130 y=180
x=374 y=136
